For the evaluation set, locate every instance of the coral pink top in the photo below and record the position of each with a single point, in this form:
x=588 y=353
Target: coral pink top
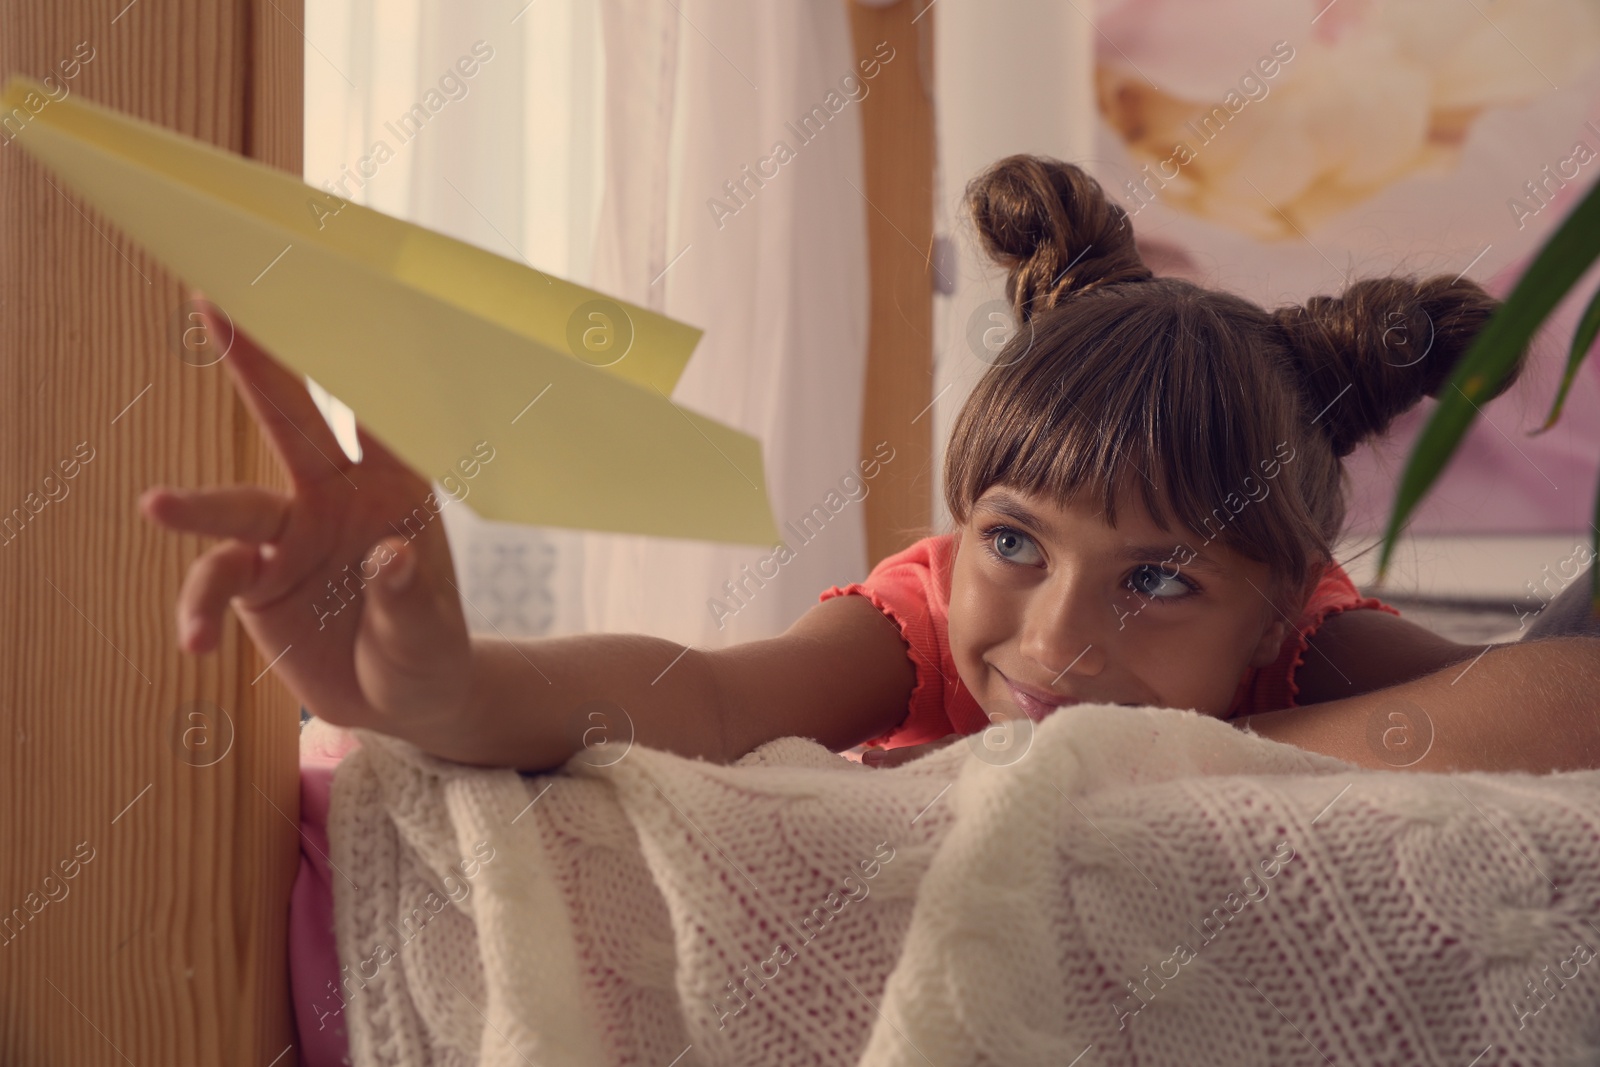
x=912 y=588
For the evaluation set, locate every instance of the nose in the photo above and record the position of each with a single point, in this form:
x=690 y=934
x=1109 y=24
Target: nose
x=1064 y=630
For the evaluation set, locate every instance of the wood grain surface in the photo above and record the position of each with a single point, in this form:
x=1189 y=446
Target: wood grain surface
x=897 y=131
x=146 y=857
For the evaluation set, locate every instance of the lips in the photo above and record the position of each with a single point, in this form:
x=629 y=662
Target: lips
x=1035 y=703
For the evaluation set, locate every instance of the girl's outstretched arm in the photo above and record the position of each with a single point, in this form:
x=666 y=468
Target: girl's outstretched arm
x=840 y=674
x=1531 y=706
x=347 y=585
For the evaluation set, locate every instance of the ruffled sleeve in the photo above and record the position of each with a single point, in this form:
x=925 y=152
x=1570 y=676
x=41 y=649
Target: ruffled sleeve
x=1273 y=687
x=912 y=590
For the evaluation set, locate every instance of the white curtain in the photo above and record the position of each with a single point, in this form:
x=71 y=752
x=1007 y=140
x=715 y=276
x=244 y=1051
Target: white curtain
x=591 y=143
x=1041 y=55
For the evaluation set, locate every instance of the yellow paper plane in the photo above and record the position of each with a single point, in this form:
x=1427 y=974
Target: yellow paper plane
x=435 y=344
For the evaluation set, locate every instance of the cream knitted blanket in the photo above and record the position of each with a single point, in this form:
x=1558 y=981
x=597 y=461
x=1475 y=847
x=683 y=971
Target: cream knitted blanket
x=1124 y=886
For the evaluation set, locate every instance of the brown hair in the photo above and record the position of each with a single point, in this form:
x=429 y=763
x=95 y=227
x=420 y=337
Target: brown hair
x=1236 y=416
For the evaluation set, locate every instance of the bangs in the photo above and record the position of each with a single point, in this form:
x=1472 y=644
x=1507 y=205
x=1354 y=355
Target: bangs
x=1111 y=393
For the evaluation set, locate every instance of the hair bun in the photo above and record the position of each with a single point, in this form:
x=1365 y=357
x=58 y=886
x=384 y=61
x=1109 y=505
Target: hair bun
x=1373 y=352
x=1052 y=228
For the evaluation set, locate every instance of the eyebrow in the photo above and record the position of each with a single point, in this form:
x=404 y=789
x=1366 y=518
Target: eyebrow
x=1012 y=508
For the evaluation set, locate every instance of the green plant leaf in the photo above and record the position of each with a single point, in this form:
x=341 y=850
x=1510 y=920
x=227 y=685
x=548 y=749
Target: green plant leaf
x=1552 y=274
x=1582 y=338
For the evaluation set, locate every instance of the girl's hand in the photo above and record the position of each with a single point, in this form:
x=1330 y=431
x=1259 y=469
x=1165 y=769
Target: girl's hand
x=893 y=757
x=346 y=586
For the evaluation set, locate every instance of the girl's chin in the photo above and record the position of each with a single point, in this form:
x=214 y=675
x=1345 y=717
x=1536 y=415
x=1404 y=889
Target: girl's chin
x=1008 y=709
x=1001 y=714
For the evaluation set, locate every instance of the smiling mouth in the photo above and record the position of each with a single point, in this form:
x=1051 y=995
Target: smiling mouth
x=1032 y=706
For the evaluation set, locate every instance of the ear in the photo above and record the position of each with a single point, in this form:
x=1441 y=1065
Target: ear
x=1271 y=643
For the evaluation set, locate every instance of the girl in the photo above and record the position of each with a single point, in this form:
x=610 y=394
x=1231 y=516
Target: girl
x=1129 y=412
x=1145 y=490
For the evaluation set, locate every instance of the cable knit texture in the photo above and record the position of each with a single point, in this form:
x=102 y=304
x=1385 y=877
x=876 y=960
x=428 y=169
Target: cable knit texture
x=1149 y=886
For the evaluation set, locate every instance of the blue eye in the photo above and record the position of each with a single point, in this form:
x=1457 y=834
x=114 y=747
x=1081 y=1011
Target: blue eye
x=1149 y=580
x=1003 y=541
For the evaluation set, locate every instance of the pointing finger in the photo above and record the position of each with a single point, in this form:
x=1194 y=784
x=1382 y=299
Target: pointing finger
x=281 y=404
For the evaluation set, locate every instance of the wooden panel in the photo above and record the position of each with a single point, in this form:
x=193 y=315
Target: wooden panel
x=143 y=888
x=897 y=120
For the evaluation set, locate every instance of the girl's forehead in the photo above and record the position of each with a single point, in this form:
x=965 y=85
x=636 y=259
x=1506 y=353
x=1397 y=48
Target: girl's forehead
x=1048 y=509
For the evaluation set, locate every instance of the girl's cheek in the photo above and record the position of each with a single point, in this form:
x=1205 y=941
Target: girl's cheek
x=966 y=631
